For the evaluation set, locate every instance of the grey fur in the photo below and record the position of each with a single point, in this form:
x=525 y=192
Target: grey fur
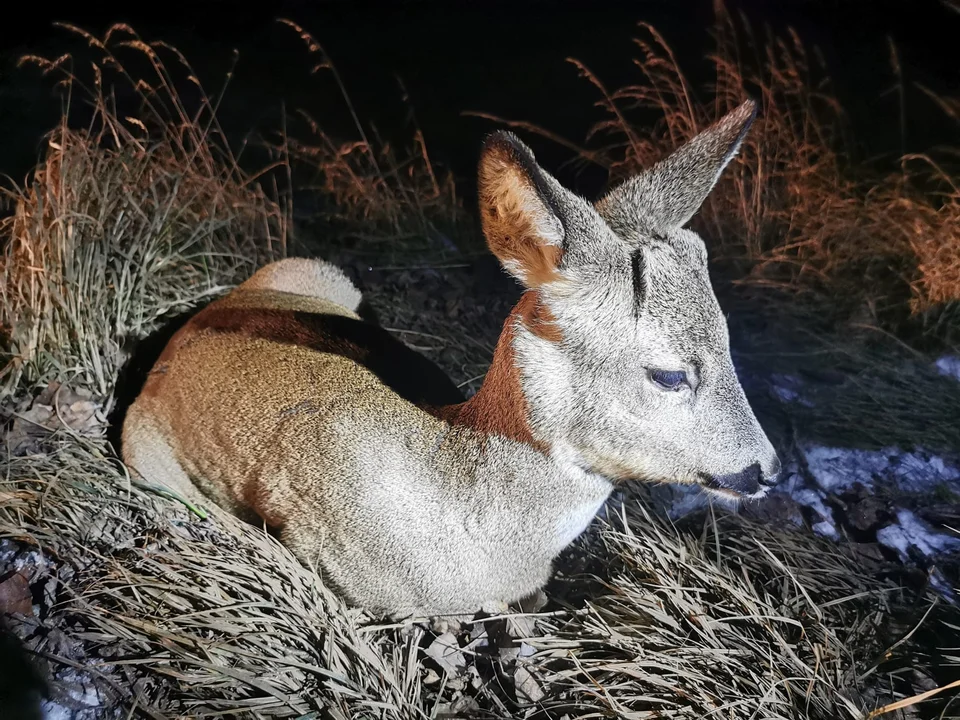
x=593 y=393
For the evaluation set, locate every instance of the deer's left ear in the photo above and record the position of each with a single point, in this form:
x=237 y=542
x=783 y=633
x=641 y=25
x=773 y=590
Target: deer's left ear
x=519 y=211
x=667 y=195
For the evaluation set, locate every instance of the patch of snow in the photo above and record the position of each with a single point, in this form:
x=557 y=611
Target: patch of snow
x=14 y=558
x=794 y=486
x=813 y=499
x=837 y=469
x=919 y=471
x=939 y=583
x=30 y=560
x=7 y=552
x=949 y=365
x=80 y=698
x=826 y=529
x=910 y=531
x=55 y=711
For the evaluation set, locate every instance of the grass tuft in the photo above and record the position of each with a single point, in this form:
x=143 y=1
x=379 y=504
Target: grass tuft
x=126 y=220
x=373 y=196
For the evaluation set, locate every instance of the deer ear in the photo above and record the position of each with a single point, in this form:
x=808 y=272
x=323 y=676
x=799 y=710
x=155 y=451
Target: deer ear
x=518 y=211
x=667 y=195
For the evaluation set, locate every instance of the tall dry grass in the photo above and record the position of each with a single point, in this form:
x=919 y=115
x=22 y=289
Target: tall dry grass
x=126 y=220
x=372 y=195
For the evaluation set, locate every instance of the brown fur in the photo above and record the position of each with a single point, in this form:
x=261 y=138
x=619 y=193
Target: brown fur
x=499 y=407
x=299 y=321
x=513 y=222
x=537 y=318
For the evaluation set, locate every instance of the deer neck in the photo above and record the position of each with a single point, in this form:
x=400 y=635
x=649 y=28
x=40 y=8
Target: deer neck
x=551 y=498
x=500 y=407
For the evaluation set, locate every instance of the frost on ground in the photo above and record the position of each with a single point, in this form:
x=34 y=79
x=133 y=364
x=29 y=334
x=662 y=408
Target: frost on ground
x=949 y=365
x=910 y=531
x=835 y=469
x=72 y=693
x=76 y=699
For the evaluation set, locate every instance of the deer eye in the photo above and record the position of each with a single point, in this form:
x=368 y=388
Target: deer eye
x=670 y=379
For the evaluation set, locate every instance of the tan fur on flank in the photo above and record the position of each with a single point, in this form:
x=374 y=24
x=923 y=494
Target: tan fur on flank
x=277 y=402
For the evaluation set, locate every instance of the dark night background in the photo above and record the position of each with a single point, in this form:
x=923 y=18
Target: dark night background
x=504 y=58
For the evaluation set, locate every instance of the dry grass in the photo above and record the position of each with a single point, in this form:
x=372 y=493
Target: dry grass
x=738 y=620
x=165 y=614
x=373 y=196
x=125 y=221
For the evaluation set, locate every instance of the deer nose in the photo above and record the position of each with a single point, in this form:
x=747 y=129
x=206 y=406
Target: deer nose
x=744 y=482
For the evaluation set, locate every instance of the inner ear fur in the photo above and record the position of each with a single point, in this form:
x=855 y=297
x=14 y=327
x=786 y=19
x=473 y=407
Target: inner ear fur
x=521 y=227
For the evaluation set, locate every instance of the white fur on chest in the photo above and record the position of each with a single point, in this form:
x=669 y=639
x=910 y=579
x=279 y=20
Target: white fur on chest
x=492 y=530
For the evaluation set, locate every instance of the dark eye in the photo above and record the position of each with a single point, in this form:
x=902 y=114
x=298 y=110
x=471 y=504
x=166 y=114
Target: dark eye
x=669 y=379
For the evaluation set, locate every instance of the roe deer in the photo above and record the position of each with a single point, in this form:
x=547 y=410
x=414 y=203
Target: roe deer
x=277 y=401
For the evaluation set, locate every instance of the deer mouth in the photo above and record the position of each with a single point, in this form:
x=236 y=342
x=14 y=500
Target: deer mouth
x=748 y=483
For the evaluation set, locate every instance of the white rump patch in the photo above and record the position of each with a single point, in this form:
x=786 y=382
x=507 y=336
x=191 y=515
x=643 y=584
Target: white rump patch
x=307 y=276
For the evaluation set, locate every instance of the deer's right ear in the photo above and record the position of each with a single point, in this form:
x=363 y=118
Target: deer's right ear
x=517 y=211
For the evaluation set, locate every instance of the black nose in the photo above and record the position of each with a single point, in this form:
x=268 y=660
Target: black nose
x=745 y=482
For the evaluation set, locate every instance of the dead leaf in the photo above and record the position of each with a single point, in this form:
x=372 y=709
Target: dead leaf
x=445 y=650
x=15 y=595
x=54 y=408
